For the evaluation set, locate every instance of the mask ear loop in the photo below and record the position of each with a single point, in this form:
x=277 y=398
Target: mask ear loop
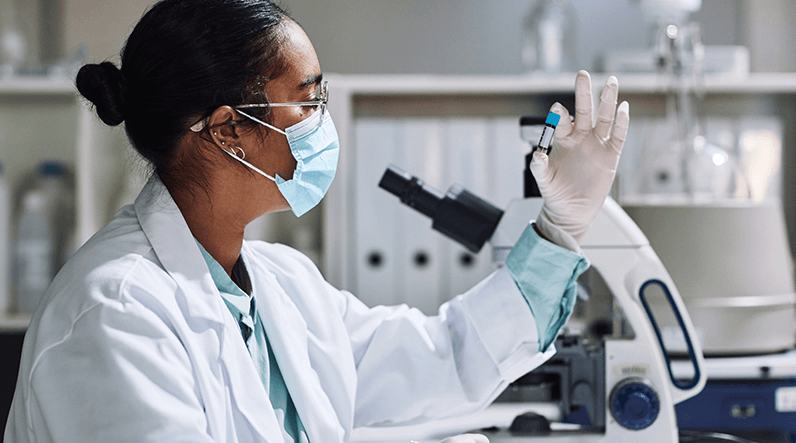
x=254 y=168
x=262 y=122
x=234 y=155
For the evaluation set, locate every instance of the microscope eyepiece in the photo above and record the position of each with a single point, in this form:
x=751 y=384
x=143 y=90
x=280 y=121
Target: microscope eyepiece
x=458 y=214
x=412 y=191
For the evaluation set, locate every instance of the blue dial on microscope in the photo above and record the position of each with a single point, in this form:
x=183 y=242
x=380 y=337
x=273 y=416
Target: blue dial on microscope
x=635 y=404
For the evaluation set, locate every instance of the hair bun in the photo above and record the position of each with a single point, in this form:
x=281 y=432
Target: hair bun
x=104 y=85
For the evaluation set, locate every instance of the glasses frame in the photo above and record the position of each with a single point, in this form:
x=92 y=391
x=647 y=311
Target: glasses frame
x=322 y=101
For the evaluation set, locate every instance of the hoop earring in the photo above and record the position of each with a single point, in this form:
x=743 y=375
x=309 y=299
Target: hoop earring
x=242 y=153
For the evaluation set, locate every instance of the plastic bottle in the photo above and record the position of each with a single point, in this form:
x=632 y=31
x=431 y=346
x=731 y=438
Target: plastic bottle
x=54 y=181
x=34 y=251
x=45 y=232
x=5 y=245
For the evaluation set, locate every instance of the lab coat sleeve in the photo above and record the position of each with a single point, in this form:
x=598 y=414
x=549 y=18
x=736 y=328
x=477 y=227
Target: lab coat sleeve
x=535 y=264
x=413 y=368
x=119 y=375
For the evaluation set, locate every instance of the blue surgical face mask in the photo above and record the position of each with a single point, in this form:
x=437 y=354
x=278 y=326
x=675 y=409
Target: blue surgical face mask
x=316 y=148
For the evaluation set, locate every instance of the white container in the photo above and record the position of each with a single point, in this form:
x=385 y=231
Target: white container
x=5 y=245
x=54 y=180
x=34 y=251
x=732 y=265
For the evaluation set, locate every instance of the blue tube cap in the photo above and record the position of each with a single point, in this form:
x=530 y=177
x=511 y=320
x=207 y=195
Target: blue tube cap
x=552 y=119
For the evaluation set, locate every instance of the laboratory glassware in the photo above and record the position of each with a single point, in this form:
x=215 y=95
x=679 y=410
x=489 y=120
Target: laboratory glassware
x=45 y=233
x=34 y=251
x=678 y=159
x=549 y=37
x=12 y=41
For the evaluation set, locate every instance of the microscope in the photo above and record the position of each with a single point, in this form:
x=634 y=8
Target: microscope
x=611 y=378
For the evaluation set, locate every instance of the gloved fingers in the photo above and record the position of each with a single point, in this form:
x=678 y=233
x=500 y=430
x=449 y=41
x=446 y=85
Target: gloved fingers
x=619 y=133
x=541 y=170
x=605 y=113
x=583 y=102
x=564 y=127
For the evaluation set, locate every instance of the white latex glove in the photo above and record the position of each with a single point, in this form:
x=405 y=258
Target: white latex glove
x=466 y=438
x=576 y=177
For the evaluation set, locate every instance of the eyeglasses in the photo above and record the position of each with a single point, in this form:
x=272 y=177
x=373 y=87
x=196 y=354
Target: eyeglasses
x=322 y=93
x=323 y=98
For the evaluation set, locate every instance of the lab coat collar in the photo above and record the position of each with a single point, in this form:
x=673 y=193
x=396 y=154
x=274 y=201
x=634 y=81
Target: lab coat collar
x=287 y=333
x=175 y=247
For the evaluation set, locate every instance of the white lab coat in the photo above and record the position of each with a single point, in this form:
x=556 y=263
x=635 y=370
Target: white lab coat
x=133 y=343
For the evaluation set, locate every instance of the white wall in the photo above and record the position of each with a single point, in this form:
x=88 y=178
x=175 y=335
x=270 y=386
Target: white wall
x=462 y=36
x=102 y=25
x=453 y=36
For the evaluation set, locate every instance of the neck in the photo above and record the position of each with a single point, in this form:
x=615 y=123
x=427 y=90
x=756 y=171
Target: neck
x=219 y=231
x=215 y=219
x=218 y=209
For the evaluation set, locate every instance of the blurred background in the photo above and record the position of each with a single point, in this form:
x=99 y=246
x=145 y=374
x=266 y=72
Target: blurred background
x=437 y=87
x=456 y=36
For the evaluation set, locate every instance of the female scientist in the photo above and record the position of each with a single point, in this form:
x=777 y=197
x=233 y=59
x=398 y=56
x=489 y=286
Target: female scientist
x=167 y=326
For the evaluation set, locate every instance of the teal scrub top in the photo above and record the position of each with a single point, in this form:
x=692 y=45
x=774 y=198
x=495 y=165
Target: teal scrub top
x=243 y=308
x=536 y=264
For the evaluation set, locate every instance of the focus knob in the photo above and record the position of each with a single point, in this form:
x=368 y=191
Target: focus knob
x=634 y=403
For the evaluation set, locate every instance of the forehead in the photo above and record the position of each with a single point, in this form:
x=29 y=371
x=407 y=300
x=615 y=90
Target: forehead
x=298 y=54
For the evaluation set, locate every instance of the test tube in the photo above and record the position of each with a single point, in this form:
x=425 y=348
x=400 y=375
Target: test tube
x=549 y=129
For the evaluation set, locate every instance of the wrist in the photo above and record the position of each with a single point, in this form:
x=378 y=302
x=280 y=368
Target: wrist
x=555 y=234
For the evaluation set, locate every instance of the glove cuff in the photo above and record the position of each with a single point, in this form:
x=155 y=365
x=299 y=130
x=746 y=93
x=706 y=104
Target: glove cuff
x=556 y=234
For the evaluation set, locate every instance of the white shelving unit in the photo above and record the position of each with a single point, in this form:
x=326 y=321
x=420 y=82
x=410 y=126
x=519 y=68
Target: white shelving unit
x=14 y=323
x=44 y=119
x=417 y=96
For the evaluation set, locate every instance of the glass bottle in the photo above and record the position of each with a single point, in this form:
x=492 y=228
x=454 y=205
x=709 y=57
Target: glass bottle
x=12 y=41
x=549 y=37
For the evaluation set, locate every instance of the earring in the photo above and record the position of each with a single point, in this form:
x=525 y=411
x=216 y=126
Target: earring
x=215 y=133
x=223 y=143
x=242 y=154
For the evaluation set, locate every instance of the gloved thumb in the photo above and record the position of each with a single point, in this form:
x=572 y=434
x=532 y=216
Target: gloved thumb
x=541 y=172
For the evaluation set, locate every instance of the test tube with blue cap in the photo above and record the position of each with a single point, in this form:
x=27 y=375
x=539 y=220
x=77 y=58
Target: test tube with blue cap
x=550 y=124
x=529 y=132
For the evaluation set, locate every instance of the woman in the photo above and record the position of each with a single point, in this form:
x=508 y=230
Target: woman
x=167 y=326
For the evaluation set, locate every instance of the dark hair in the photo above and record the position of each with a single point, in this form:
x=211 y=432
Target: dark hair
x=184 y=59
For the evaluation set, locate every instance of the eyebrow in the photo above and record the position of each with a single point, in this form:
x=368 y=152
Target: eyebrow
x=312 y=80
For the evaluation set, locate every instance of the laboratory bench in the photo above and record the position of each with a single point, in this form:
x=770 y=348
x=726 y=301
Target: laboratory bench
x=748 y=381
x=494 y=422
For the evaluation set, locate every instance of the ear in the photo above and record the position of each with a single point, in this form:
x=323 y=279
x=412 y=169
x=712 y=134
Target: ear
x=223 y=134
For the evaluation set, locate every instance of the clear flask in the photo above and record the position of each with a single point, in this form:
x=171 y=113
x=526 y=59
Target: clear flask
x=549 y=37
x=679 y=160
